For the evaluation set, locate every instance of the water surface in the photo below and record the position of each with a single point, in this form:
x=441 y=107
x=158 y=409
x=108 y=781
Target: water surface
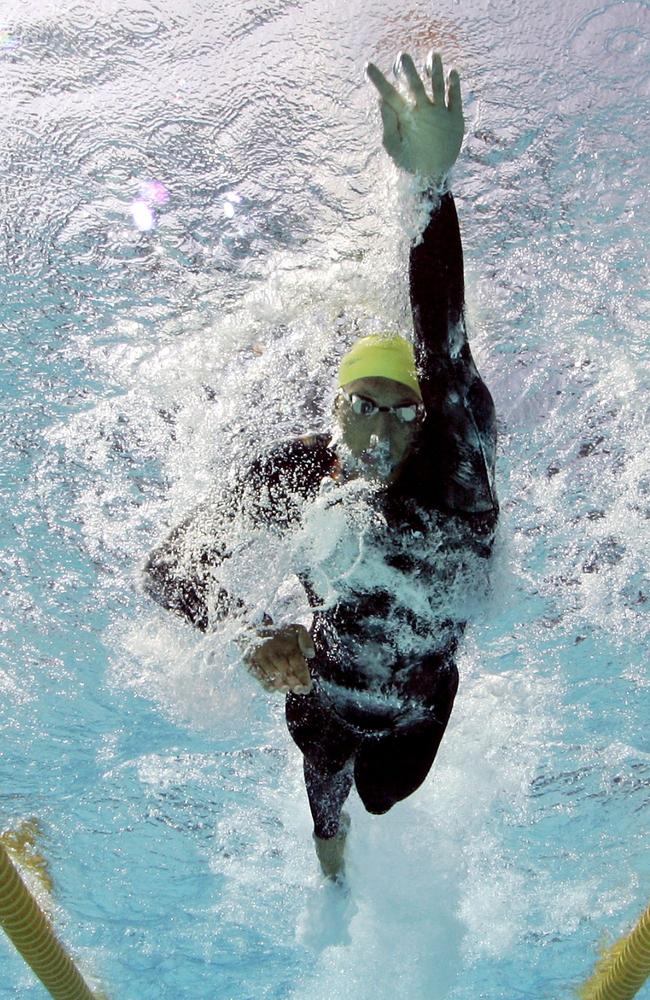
x=196 y=217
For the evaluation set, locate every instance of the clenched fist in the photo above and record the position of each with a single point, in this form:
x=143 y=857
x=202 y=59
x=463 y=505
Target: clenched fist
x=279 y=660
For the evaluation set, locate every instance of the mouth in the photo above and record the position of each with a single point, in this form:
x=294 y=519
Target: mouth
x=373 y=463
x=377 y=460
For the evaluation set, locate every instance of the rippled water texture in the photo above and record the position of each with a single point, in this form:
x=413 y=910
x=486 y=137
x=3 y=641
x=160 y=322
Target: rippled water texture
x=196 y=216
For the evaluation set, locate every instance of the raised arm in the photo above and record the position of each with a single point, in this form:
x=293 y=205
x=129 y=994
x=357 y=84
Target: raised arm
x=423 y=136
x=437 y=288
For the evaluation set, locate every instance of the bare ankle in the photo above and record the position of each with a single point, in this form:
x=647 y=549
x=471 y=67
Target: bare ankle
x=330 y=851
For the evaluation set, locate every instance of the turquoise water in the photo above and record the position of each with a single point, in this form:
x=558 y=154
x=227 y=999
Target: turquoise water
x=195 y=212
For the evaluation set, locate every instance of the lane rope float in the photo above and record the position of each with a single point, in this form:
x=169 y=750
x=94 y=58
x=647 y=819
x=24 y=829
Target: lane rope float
x=623 y=968
x=28 y=927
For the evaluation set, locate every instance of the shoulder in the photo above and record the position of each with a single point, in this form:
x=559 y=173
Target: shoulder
x=273 y=484
x=294 y=461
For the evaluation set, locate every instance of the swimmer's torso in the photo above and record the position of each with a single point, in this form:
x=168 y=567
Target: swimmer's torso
x=391 y=579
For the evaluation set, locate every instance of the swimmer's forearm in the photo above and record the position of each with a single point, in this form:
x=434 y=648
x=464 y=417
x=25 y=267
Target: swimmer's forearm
x=192 y=599
x=436 y=284
x=178 y=572
x=451 y=385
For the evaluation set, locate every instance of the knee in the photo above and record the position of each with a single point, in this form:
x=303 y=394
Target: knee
x=378 y=806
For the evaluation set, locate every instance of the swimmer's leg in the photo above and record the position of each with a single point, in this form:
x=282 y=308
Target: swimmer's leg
x=328 y=748
x=327 y=794
x=391 y=768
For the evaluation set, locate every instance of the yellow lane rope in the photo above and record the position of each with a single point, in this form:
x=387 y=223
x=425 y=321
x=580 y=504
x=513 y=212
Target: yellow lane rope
x=22 y=844
x=28 y=927
x=622 y=969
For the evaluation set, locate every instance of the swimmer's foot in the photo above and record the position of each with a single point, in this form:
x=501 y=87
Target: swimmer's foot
x=330 y=852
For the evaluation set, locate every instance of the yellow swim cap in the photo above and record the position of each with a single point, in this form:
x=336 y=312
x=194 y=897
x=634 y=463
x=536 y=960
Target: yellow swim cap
x=380 y=357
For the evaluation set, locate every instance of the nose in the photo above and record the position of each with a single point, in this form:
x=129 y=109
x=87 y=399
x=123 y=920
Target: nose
x=382 y=425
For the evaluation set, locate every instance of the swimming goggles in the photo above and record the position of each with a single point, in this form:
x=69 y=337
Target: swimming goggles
x=361 y=406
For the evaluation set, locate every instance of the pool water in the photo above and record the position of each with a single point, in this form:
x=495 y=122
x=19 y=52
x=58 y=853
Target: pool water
x=196 y=216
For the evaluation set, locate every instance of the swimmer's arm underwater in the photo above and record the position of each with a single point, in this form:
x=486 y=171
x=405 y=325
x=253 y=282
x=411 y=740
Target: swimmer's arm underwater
x=179 y=576
x=180 y=572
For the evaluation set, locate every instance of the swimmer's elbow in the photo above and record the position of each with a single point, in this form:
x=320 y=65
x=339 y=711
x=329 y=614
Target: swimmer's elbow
x=161 y=582
x=152 y=581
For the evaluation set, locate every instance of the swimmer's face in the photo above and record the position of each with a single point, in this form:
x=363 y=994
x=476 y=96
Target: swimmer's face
x=378 y=443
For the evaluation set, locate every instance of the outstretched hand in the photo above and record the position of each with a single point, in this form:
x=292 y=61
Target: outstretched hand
x=421 y=136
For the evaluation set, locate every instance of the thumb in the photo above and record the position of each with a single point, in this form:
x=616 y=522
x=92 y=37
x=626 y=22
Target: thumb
x=305 y=643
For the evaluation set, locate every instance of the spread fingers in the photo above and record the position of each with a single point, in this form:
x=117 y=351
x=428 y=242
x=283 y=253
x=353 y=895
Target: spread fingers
x=406 y=66
x=435 y=71
x=388 y=93
x=454 y=98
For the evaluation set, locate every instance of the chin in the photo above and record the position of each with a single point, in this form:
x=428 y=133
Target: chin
x=380 y=476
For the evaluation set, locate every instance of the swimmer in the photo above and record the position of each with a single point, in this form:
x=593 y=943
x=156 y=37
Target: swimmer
x=414 y=421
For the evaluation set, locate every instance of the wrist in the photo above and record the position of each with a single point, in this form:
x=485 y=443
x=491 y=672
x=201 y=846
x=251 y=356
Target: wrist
x=253 y=634
x=437 y=187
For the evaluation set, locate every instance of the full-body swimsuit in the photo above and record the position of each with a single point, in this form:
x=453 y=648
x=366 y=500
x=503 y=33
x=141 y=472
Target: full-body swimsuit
x=384 y=675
